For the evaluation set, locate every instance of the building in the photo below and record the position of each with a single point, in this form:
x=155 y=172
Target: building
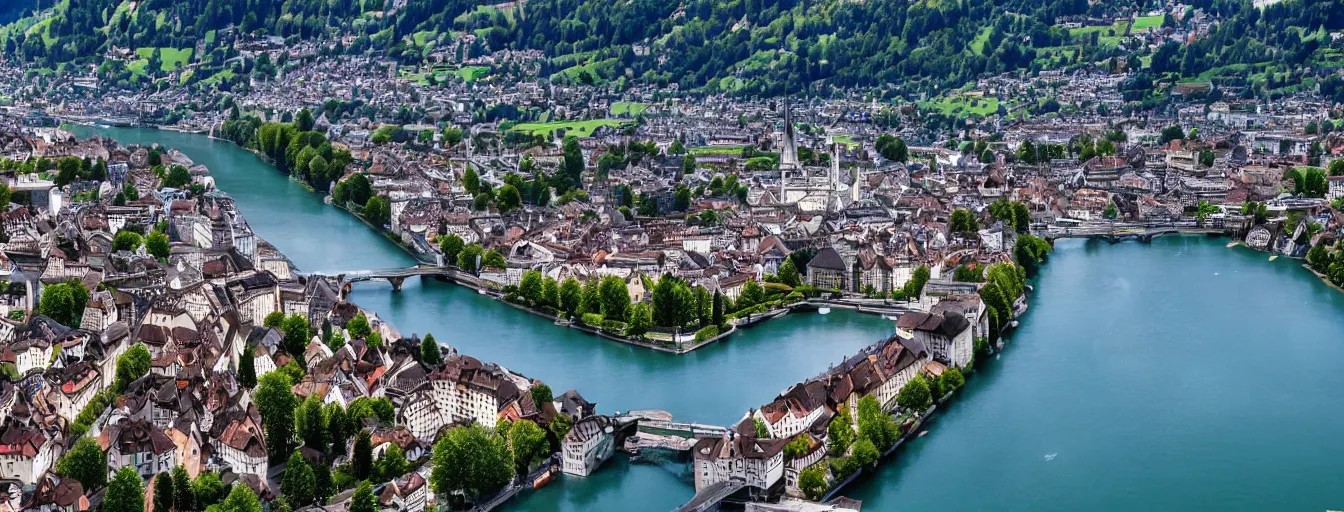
x=590 y=443
x=826 y=270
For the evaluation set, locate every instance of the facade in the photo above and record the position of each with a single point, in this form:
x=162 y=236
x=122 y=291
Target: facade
x=590 y=443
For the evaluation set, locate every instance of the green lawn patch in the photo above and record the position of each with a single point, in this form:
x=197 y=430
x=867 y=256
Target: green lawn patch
x=473 y=73
x=1147 y=22
x=715 y=150
x=978 y=44
x=961 y=104
x=581 y=129
x=173 y=58
x=631 y=109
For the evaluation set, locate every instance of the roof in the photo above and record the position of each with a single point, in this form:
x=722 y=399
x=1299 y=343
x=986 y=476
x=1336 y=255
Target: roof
x=828 y=259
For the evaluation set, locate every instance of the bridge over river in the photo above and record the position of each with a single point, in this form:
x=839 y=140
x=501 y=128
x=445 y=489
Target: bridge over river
x=398 y=276
x=1114 y=232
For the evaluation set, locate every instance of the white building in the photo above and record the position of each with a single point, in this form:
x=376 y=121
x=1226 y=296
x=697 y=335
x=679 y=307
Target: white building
x=590 y=443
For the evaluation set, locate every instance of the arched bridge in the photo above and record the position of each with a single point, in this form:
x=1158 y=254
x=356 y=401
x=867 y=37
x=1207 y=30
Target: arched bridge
x=396 y=276
x=1117 y=232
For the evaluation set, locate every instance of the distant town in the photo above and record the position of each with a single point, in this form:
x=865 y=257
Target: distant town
x=152 y=340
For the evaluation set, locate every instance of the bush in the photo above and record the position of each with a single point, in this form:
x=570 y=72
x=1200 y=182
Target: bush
x=844 y=467
x=614 y=327
x=593 y=319
x=706 y=333
x=812 y=481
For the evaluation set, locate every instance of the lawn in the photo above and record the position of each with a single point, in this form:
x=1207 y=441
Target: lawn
x=632 y=109
x=226 y=74
x=978 y=44
x=473 y=73
x=579 y=129
x=423 y=37
x=173 y=58
x=1147 y=22
x=962 y=105
x=716 y=150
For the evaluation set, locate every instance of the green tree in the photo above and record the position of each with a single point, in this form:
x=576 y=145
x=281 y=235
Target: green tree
x=359 y=326
x=528 y=444
x=571 y=294
x=865 y=453
x=276 y=403
x=450 y=245
x=298 y=482
x=429 y=351
x=892 y=148
x=378 y=211
x=157 y=245
x=274 y=319
x=311 y=425
x=467 y=260
x=840 y=433
x=1336 y=169
x=64 y=302
x=363 y=499
x=86 y=462
x=915 y=395
x=297 y=334
x=184 y=494
x=131 y=365
x=240 y=499
x=529 y=287
x=472 y=461
x=471 y=181
x=812 y=481
x=752 y=294
x=163 y=491
x=361 y=461
x=5 y=195
x=508 y=198
x=561 y=425
x=494 y=259
x=206 y=490
x=247 y=370
x=126 y=241
x=541 y=394
x=339 y=426
x=178 y=177
x=1318 y=258
x=590 y=301
x=124 y=493
x=788 y=273
x=615 y=298
x=392 y=464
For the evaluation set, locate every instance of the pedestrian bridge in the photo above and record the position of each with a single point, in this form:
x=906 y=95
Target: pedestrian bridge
x=396 y=276
x=710 y=498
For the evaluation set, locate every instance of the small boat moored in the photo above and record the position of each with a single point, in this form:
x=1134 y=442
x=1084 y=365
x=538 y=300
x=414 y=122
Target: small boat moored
x=824 y=310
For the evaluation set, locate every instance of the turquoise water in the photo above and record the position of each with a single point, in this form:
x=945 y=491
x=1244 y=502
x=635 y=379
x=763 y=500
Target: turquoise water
x=1176 y=375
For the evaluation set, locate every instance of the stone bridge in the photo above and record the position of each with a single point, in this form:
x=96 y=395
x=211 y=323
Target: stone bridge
x=1117 y=232
x=396 y=276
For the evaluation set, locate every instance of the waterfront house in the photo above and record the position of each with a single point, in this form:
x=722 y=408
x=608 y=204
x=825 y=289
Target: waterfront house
x=137 y=444
x=739 y=455
x=588 y=444
x=795 y=410
x=826 y=270
x=947 y=335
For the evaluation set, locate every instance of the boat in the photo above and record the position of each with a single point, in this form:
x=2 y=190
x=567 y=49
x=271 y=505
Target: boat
x=541 y=480
x=921 y=434
x=824 y=310
x=480 y=291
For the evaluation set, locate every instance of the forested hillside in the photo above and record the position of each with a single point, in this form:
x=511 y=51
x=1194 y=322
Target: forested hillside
x=742 y=46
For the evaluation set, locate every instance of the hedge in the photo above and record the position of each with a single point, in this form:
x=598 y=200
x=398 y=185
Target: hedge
x=706 y=333
x=593 y=319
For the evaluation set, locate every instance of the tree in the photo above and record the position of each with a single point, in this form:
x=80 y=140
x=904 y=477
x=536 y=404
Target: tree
x=276 y=403
x=304 y=120
x=126 y=241
x=561 y=425
x=298 y=482
x=528 y=444
x=529 y=287
x=571 y=294
x=467 y=260
x=788 y=273
x=359 y=326
x=131 y=365
x=297 y=334
x=429 y=351
x=508 y=198
x=392 y=464
x=361 y=461
x=163 y=491
x=310 y=423
x=473 y=461
x=590 y=301
x=839 y=432
x=450 y=245
x=716 y=317
x=812 y=481
x=363 y=499
x=274 y=319
x=378 y=211
x=240 y=499
x=892 y=148
x=866 y=453
x=5 y=195
x=494 y=259
x=914 y=395
x=752 y=294
x=177 y=177
x=1111 y=212
x=471 y=181
x=157 y=245
x=1171 y=133
x=615 y=298
x=1318 y=258
x=875 y=425
x=541 y=394
x=86 y=462
x=573 y=162
x=64 y=302
x=124 y=493
x=963 y=221
x=338 y=426
x=184 y=494
x=1336 y=169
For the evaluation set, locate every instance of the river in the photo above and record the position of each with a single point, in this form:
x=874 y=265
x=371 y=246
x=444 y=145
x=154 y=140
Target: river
x=1180 y=374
